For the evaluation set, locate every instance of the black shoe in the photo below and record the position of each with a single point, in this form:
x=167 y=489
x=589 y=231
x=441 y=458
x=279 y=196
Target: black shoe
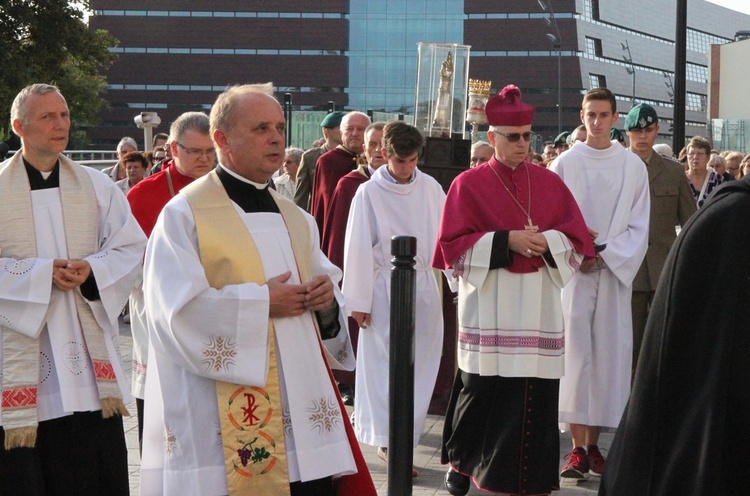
x=457 y=484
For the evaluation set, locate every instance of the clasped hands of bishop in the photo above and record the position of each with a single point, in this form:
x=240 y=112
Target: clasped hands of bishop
x=527 y=243
x=290 y=300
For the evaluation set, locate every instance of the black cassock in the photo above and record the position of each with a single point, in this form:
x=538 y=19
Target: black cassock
x=686 y=428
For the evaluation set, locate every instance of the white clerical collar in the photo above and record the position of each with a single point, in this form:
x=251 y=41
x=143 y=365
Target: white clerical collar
x=244 y=180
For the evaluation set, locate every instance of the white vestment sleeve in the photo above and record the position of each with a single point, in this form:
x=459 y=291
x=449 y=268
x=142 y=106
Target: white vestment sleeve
x=625 y=250
x=359 y=266
x=566 y=258
x=118 y=263
x=339 y=351
x=188 y=320
x=476 y=263
x=25 y=294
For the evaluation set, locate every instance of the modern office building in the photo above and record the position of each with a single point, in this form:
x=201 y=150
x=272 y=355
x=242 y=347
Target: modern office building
x=728 y=114
x=177 y=55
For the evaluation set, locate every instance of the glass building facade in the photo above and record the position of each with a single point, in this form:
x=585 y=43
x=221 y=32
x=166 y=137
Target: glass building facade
x=383 y=37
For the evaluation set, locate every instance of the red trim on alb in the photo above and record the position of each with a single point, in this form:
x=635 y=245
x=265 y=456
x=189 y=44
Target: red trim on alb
x=104 y=370
x=19 y=397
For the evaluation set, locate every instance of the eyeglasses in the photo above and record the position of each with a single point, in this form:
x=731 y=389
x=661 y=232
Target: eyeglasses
x=514 y=137
x=733 y=168
x=209 y=152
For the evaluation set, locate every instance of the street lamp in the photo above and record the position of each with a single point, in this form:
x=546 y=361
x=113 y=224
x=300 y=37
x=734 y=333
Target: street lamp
x=631 y=70
x=668 y=84
x=147 y=121
x=556 y=41
x=670 y=92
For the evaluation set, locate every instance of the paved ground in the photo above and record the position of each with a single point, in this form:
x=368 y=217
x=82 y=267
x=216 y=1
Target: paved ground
x=426 y=457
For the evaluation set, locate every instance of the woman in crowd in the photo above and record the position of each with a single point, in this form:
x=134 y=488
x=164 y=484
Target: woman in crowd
x=702 y=180
x=287 y=182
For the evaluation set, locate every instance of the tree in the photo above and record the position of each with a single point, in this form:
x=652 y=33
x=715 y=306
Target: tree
x=47 y=41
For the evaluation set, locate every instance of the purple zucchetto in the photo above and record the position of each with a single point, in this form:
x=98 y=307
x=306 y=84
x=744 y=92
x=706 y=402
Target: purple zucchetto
x=506 y=109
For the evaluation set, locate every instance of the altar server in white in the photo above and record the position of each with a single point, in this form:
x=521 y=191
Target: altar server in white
x=610 y=184
x=399 y=200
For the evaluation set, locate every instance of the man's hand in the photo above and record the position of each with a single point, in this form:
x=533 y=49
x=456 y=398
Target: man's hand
x=363 y=319
x=527 y=243
x=286 y=300
x=69 y=274
x=319 y=293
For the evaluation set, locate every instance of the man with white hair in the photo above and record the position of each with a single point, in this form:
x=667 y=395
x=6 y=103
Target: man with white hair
x=239 y=398
x=335 y=164
x=70 y=251
x=481 y=153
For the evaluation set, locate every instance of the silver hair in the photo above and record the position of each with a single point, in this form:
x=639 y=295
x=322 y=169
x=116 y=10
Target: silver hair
x=127 y=140
x=480 y=143
x=295 y=152
x=20 y=105
x=349 y=115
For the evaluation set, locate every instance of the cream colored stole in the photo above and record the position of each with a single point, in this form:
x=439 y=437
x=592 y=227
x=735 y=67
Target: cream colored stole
x=18 y=241
x=254 y=455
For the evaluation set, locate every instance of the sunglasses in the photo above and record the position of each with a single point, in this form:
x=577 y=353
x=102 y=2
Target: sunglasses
x=514 y=137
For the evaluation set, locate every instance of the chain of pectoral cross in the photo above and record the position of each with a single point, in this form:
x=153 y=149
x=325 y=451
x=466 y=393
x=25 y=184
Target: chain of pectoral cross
x=527 y=213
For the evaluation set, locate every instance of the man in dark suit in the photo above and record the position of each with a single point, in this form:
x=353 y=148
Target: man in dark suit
x=671 y=204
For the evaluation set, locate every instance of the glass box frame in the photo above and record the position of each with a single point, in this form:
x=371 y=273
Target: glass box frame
x=442 y=89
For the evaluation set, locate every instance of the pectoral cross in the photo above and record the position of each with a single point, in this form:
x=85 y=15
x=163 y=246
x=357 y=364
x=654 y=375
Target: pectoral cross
x=530 y=226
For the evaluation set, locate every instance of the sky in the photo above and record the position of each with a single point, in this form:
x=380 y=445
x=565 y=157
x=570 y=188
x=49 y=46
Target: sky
x=738 y=5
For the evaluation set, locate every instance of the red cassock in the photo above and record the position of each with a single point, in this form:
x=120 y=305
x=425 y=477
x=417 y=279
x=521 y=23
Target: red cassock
x=485 y=206
x=148 y=197
x=331 y=166
x=332 y=243
x=334 y=228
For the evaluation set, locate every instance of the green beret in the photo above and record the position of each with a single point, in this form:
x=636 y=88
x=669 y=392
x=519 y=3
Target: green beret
x=562 y=138
x=641 y=116
x=333 y=119
x=616 y=134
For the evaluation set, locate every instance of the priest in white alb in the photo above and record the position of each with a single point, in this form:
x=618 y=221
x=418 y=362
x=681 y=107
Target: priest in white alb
x=244 y=315
x=70 y=252
x=514 y=236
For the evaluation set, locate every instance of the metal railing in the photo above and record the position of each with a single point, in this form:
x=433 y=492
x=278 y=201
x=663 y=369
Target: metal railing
x=98 y=159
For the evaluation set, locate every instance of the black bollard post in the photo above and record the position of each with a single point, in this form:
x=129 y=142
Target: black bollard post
x=401 y=366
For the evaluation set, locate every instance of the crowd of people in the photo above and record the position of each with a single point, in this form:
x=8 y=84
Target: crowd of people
x=257 y=279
